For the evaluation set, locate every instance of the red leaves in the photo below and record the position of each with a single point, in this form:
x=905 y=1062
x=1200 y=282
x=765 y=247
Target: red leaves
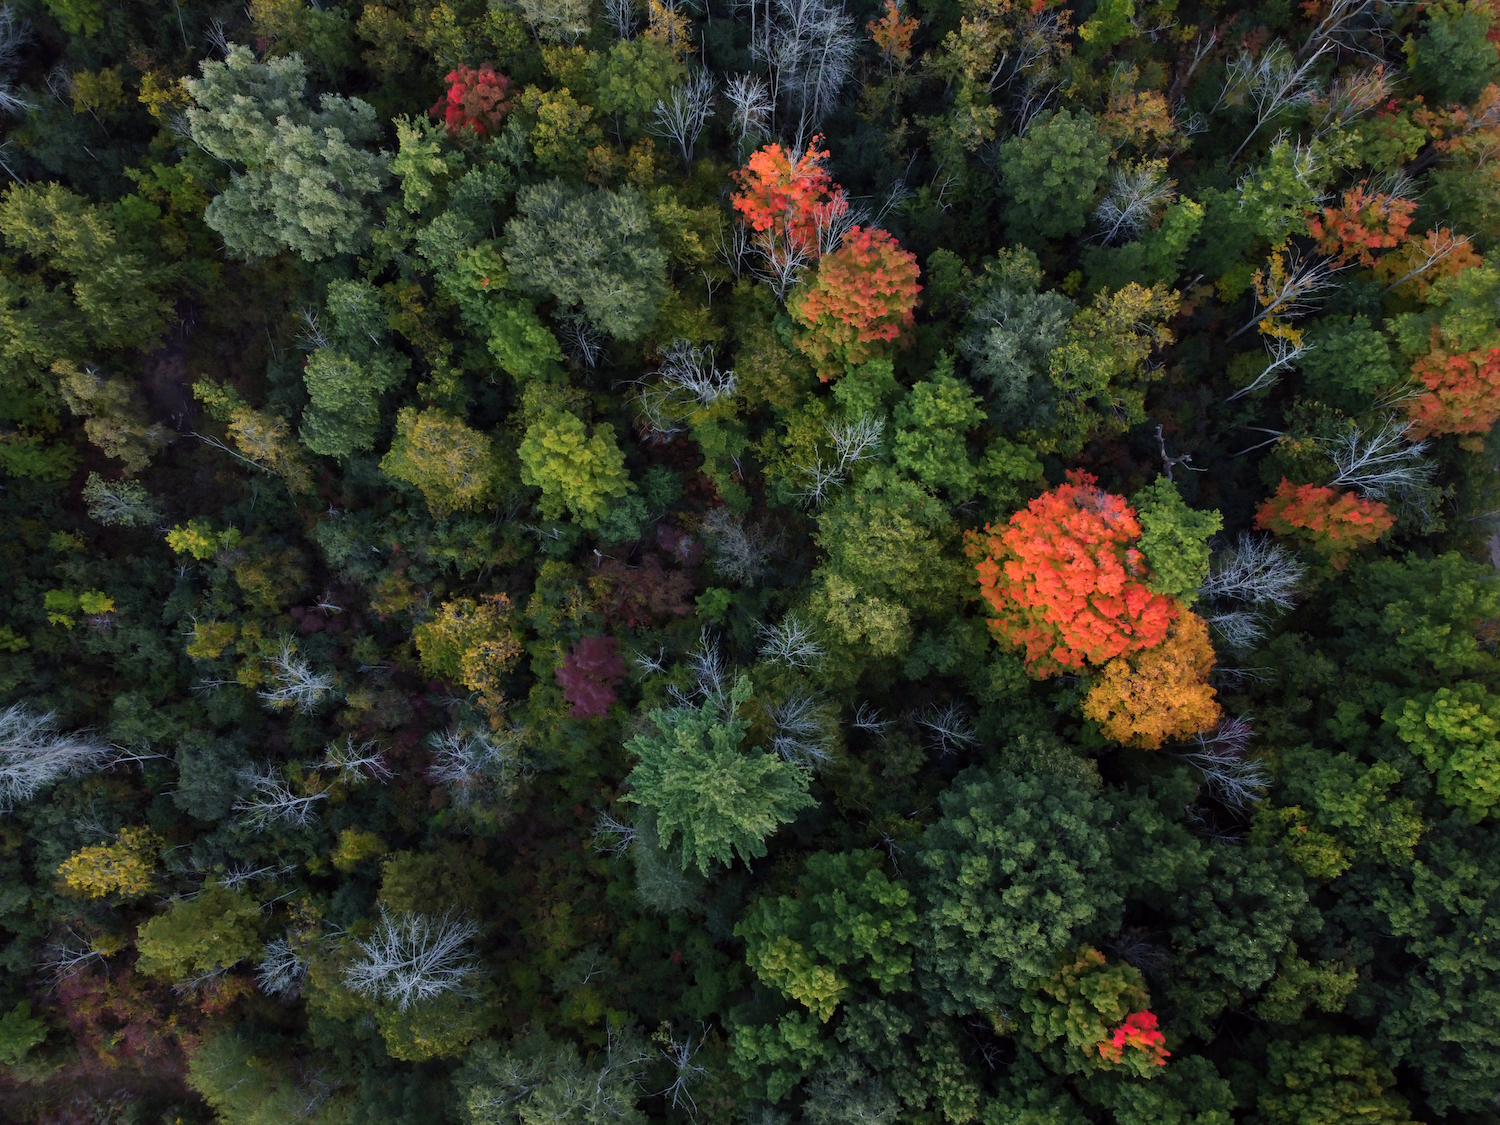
x=588 y=676
x=476 y=99
x=1364 y=224
x=786 y=201
x=1137 y=1033
x=1463 y=392
x=1066 y=582
x=1332 y=523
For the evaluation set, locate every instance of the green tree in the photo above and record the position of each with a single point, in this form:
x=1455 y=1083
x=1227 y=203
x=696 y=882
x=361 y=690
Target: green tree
x=632 y=76
x=538 y=1080
x=454 y=466
x=932 y=424
x=1453 y=730
x=577 y=472
x=347 y=375
x=846 y=921
x=305 y=174
x=1174 y=538
x=1328 y=1080
x=592 y=249
x=215 y=929
x=1017 y=870
x=249 y=1087
x=697 y=782
x=1051 y=175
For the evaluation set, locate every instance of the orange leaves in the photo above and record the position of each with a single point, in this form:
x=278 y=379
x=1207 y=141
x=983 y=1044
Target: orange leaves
x=1137 y=1033
x=1364 y=224
x=1463 y=392
x=1066 y=582
x=861 y=297
x=476 y=99
x=1145 y=698
x=892 y=33
x=786 y=201
x=1332 y=523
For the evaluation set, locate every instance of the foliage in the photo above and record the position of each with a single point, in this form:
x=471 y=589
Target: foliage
x=699 y=785
x=862 y=296
x=537 y=1079
x=1333 y=523
x=214 y=930
x=589 y=675
x=1174 y=539
x=1052 y=174
x=1067 y=582
x=1098 y=1010
x=1327 y=1078
x=579 y=473
x=454 y=466
x=477 y=99
x=787 y=201
x=1144 y=698
x=123 y=868
x=471 y=642
x=1453 y=730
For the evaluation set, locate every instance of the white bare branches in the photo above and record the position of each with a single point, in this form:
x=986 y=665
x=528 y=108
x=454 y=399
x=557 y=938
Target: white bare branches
x=414 y=957
x=808 y=47
x=34 y=753
x=852 y=441
x=1380 y=465
x=680 y=1054
x=803 y=735
x=581 y=340
x=69 y=956
x=1283 y=354
x=1350 y=97
x=1286 y=286
x=623 y=16
x=867 y=718
x=1432 y=249
x=790 y=642
x=691 y=372
x=15 y=33
x=295 y=684
x=1247 y=585
x=781 y=258
x=682 y=114
x=949 y=727
x=740 y=552
x=750 y=105
x=471 y=764
x=271 y=800
x=1273 y=82
x=1347 y=23
x=1134 y=196
x=282 y=970
x=356 y=765
x=1231 y=775
x=612 y=836
x=711 y=670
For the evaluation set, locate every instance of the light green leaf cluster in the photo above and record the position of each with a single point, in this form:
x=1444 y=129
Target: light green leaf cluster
x=1454 y=731
x=721 y=801
x=577 y=473
x=538 y=1080
x=931 y=424
x=212 y=930
x=1174 y=539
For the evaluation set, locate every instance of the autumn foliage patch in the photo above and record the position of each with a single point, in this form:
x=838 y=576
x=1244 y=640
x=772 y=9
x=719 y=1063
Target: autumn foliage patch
x=1462 y=396
x=1365 y=223
x=476 y=98
x=785 y=200
x=1332 y=523
x=1145 y=698
x=588 y=676
x=1066 y=581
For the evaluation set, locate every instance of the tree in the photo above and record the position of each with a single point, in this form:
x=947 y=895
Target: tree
x=632 y=77
x=1454 y=731
x=123 y=868
x=588 y=676
x=1174 y=539
x=848 y=920
x=348 y=371
x=477 y=99
x=860 y=299
x=34 y=753
x=1144 y=698
x=455 y=467
x=1364 y=224
x=578 y=473
x=1016 y=870
x=214 y=930
x=471 y=642
x=1333 y=523
x=1067 y=581
x=305 y=173
x=597 y=250
x=411 y=958
x=247 y=1086
x=537 y=1080
x=1051 y=175
x=698 y=784
x=789 y=202
x=1326 y=1079
x=1099 y=1011
x=932 y=423
x=1462 y=392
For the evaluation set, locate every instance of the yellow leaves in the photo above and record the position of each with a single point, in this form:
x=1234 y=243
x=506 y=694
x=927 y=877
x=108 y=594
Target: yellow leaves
x=667 y=23
x=472 y=642
x=62 y=604
x=784 y=964
x=451 y=463
x=102 y=92
x=1145 y=698
x=354 y=847
x=200 y=540
x=123 y=868
x=211 y=638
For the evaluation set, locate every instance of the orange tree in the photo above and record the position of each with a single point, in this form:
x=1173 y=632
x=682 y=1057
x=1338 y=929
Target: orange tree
x=1145 y=698
x=1066 y=581
x=1332 y=523
x=1463 y=392
x=784 y=200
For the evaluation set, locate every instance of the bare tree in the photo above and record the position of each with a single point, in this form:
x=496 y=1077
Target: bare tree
x=1248 y=584
x=282 y=969
x=1274 y=82
x=68 y=956
x=808 y=47
x=612 y=836
x=852 y=441
x=15 y=34
x=1134 y=196
x=1222 y=757
x=802 y=733
x=414 y=957
x=1350 y=97
x=781 y=260
x=867 y=718
x=272 y=801
x=1349 y=24
x=1380 y=465
x=710 y=672
x=690 y=373
x=470 y=763
x=1284 y=354
x=680 y=1054
x=740 y=552
x=296 y=685
x=623 y=16
x=356 y=764
x=581 y=340
x=1434 y=247
x=750 y=105
x=34 y=753
x=682 y=114
x=790 y=642
x=950 y=727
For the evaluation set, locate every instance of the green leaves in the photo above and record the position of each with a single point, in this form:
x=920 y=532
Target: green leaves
x=1052 y=174
x=1453 y=730
x=1174 y=539
x=721 y=802
x=215 y=929
x=577 y=473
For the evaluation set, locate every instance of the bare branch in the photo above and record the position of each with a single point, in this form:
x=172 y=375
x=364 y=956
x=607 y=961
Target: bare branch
x=790 y=642
x=34 y=753
x=296 y=684
x=1382 y=464
x=414 y=957
x=681 y=116
x=271 y=801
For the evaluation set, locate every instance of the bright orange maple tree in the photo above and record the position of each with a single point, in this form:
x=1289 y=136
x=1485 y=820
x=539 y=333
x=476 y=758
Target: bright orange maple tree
x=1364 y=224
x=1332 y=523
x=892 y=33
x=786 y=200
x=860 y=299
x=1463 y=392
x=1145 y=698
x=1066 y=581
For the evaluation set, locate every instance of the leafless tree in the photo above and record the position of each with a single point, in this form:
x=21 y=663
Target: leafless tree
x=15 y=34
x=682 y=114
x=1231 y=775
x=780 y=260
x=68 y=956
x=295 y=684
x=623 y=16
x=650 y=665
x=413 y=957
x=680 y=1054
x=1246 y=585
x=740 y=551
x=852 y=441
x=34 y=753
x=356 y=764
x=272 y=801
x=691 y=373
x=1273 y=81
x=790 y=642
x=1290 y=283
x=1348 y=25
x=808 y=47
x=867 y=718
x=613 y=836
x=1350 y=97
x=1432 y=249
x=950 y=727
x=1284 y=354
x=282 y=969
x=802 y=730
x=471 y=763
x=1380 y=465
x=750 y=105
x=218 y=37
x=581 y=340
x=710 y=671
x=1134 y=196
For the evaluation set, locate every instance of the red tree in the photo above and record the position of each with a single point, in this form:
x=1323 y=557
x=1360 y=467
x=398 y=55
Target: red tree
x=589 y=675
x=1066 y=582
x=1364 y=223
x=784 y=200
x=476 y=99
x=1332 y=523
x=862 y=296
x=1137 y=1033
x=1463 y=392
